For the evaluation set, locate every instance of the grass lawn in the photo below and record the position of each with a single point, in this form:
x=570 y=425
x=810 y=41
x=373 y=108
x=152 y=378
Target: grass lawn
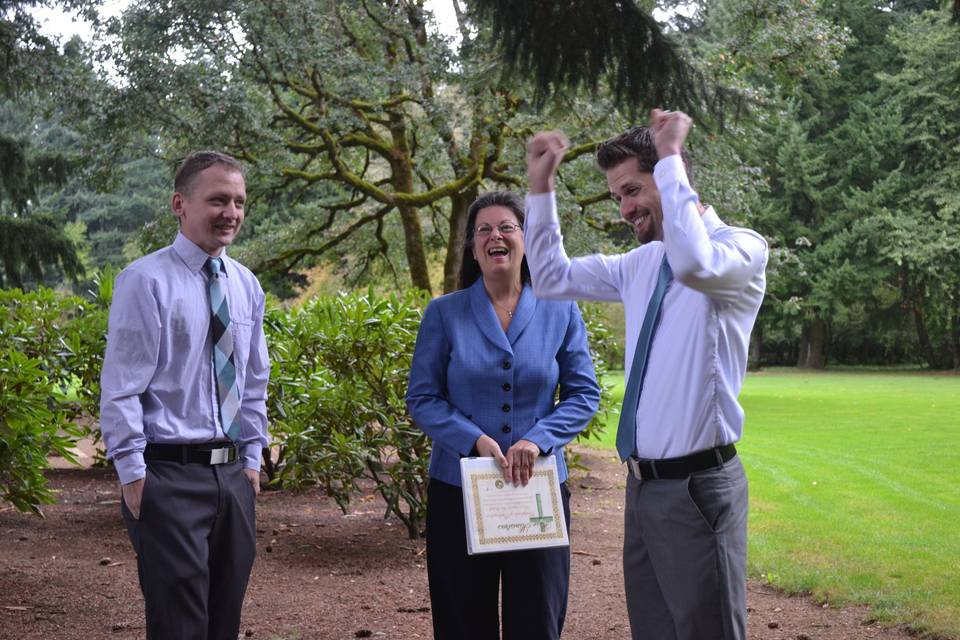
x=855 y=489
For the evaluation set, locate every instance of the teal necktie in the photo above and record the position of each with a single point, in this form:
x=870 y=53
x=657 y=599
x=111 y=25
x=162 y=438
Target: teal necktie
x=627 y=429
x=228 y=394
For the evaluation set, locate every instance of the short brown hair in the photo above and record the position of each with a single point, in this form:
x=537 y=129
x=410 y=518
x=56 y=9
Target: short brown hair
x=196 y=162
x=636 y=142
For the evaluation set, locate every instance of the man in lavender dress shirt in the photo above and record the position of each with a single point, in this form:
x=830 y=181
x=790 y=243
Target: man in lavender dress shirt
x=685 y=518
x=188 y=488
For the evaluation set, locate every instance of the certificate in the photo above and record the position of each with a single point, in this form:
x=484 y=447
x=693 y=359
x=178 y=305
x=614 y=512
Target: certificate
x=504 y=517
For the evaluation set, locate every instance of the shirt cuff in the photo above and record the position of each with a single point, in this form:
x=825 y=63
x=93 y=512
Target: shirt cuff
x=130 y=467
x=670 y=169
x=541 y=208
x=252 y=454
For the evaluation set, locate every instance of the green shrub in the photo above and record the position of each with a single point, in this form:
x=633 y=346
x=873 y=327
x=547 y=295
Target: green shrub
x=85 y=341
x=602 y=343
x=51 y=350
x=33 y=426
x=67 y=336
x=336 y=400
x=33 y=323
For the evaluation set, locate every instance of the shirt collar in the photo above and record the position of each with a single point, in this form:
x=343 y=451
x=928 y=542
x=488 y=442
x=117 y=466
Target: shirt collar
x=193 y=256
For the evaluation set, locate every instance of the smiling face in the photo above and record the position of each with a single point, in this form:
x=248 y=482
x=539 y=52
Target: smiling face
x=636 y=193
x=210 y=208
x=499 y=254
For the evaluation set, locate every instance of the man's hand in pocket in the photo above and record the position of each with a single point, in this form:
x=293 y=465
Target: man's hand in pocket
x=132 y=494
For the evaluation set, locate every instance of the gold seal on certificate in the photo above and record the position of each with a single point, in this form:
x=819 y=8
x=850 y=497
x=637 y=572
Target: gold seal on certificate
x=504 y=517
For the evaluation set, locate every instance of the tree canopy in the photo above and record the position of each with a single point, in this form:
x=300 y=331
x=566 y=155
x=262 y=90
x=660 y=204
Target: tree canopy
x=368 y=132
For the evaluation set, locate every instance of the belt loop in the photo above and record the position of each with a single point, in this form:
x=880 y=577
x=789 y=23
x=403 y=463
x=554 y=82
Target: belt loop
x=183 y=455
x=718 y=455
x=653 y=468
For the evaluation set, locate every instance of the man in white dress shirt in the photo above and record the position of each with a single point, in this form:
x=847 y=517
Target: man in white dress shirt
x=685 y=538
x=183 y=409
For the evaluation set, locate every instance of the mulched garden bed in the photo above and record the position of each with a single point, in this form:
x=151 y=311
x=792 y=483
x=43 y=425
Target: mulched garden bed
x=325 y=575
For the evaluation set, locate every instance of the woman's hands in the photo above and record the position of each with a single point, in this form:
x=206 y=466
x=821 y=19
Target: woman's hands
x=517 y=465
x=520 y=459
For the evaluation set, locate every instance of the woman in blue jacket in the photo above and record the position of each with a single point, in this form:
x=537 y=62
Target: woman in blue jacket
x=486 y=369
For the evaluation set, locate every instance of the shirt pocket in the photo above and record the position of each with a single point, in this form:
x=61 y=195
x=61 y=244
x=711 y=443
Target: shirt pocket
x=242 y=331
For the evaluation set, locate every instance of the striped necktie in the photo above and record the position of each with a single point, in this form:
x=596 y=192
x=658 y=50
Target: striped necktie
x=228 y=394
x=627 y=428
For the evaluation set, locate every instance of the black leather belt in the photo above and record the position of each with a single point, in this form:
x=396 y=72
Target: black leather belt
x=682 y=467
x=205 y=453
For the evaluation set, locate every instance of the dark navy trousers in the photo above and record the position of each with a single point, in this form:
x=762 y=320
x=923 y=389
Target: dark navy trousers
x=465 y=589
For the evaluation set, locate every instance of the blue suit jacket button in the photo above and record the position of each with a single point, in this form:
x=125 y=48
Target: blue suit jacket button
x=506 y=408
x=506 y=364
x=506 y=428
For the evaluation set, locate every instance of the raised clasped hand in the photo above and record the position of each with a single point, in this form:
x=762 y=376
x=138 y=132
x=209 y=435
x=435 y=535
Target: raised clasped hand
x=545 y=152
x=670 y=129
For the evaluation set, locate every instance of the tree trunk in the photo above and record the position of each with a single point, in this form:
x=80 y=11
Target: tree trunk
x=817 y=351
x=402 y=180
x=923 y=337
x=459 y=204
x=413 y=243
x=912 y=296
x=753 y=357
x=803 y=349
x=955 y=337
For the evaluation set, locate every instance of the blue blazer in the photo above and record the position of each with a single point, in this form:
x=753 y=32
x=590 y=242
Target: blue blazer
x=469 y=378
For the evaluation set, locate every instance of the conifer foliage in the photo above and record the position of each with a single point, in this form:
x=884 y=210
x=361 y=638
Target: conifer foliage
x=579 y=43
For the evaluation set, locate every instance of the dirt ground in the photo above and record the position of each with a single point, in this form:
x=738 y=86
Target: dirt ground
x=321 y=574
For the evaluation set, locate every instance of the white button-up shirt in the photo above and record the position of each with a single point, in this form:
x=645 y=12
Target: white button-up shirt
x=158 y=383
x=698 y=358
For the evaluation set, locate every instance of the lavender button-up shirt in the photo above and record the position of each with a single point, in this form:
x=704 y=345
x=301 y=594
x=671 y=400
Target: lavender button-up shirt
x=158 y=382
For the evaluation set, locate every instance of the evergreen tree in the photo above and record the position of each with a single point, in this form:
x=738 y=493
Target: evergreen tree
x=30 y=238
x=834 y=162
x=34 y=76
x=923 y=244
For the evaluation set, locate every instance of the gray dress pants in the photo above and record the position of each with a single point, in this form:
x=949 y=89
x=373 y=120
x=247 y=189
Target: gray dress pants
x=195 y=543
x=685 y=556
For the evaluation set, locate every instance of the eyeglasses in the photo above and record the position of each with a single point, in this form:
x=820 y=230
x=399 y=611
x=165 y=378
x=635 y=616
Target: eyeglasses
x=506 y=228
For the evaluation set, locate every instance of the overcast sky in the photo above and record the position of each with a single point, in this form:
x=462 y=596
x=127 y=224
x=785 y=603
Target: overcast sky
x=64 y=25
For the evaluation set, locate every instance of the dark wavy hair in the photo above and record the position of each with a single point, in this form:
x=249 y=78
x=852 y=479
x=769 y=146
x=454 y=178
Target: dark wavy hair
x=469 y=268
x=636 y=142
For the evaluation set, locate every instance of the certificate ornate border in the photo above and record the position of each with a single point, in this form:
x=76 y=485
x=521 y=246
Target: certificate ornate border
x=536 y=537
